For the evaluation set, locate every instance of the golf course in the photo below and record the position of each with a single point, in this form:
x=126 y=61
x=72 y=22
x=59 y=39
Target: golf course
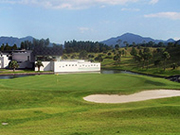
x=54 y=105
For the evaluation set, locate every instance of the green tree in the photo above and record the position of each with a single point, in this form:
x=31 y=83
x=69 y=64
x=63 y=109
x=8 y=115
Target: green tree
x=22 y=46
x=73 y=56
x=65 y=56
x=109 y=54
x=82 y=54
x=2 y=47
x=165 y=57
x=117 y=47
x=99 y=58
x=147 y=57
x=7 y=47
x=39 y=65
x=133 y=44
x=138 y=58
x=13 y=64
x=117 y=58
x=133 y=51
x=14 y=47
x=119 y=42
x=126 y=44
x=123 y=52
x=157 y=63
x=174 y=65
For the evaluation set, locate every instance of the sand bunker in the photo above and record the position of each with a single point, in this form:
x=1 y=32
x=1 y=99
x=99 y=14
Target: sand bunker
x=141 y=96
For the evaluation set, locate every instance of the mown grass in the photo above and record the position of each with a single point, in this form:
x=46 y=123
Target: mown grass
x=54 y=105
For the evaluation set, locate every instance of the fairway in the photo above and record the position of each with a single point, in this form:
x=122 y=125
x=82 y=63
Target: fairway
x=54 y=105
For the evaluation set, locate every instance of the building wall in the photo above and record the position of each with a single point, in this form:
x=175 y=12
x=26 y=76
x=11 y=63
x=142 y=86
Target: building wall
x=79 y=66
x=47 y=66
x=26 y=65
x=22 y=56
x=25 y=59
x=4 y=61
x=70 y=66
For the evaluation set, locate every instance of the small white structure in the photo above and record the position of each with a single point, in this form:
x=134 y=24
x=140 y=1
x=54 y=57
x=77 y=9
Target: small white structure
x=70 y=66
x=4 y=61
x=47 y=66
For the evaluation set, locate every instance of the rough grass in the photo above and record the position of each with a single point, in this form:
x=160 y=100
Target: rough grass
x=53 y=105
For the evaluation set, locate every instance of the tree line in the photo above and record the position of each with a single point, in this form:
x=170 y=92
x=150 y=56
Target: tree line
x=28 y=45
x=88 y=46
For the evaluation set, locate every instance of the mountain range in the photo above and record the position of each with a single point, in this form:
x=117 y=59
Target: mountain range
x=130 y=38
x=14 y=40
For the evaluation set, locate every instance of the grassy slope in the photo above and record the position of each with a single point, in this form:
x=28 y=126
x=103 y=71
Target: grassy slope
x=128 y=63
x=53 y=105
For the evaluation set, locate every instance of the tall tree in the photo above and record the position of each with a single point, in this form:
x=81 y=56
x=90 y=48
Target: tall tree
x=119 y=42
x=133 y=51
x=7 y=47
x=165 y=57
x=126 y=44
x=14 y=47
x=2 y=47
x=22 y=46
x=117 y=47
x=117 y=58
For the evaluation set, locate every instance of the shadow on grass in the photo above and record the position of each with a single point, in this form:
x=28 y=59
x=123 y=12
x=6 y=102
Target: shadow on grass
x=155 y=83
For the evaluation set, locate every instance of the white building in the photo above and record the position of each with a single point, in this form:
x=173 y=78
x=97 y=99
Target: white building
x=70 y=66
x=4 y=60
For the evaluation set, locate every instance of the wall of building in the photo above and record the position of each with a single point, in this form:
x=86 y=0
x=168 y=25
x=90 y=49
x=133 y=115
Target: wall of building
x=76 y=66
x=4 y=61
x=26 y=65
x=25 y=59
x=47 y=66
x=70 y=66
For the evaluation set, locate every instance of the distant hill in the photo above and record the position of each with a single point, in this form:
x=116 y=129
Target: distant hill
x=178 y=42
x=130 y=38
x=14 y=40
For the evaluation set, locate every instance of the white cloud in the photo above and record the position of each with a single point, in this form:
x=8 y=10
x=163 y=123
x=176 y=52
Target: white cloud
x=176 y=38
x=153 y=2
x=169 y=15
x=85 y=29
x=130 y=9
x=69 y=4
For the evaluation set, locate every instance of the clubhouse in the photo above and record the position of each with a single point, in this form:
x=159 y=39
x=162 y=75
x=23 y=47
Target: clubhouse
x=51 y=61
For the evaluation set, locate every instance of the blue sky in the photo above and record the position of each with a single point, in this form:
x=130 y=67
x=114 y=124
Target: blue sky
x=94 y=20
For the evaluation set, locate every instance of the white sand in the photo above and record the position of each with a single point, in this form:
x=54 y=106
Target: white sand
x=4 y=124
x=141 y=96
